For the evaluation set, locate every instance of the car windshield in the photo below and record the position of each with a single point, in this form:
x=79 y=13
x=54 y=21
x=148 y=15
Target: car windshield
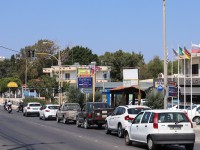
x=194 y=106
x=33 y=105
x=53 y=107
x=172 y=117
x=72 y=106
x=100 y=105
x=136 y=110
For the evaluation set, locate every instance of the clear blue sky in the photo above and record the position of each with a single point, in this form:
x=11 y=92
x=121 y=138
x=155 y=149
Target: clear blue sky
x=101 y=25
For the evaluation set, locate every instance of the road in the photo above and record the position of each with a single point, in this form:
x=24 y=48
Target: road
x=29 y=133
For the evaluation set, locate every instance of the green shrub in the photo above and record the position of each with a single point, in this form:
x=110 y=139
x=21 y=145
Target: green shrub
x=27 y=100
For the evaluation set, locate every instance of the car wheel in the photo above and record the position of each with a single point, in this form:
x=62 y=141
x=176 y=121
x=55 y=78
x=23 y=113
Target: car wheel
x=26 y=114
x=120 y=131
x=197 y=120
x=57 y=119
x=77 y=123
x=189 y=146
x=23 y=114
x=43 y=117
x=107 y=131
x=65 y=120
x=86 y=126
x=127 y=139
x=150 y=144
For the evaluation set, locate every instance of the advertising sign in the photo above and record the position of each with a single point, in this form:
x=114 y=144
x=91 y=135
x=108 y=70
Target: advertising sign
x=85 y=82
x=172 y=89
x=84 y=72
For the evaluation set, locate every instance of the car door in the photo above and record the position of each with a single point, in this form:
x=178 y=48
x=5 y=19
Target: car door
x=41 y=111
x=111 y=119
x=134 y=127
x=143 y=127
x=82 y=113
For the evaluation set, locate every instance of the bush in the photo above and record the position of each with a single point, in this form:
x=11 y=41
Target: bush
x=155 y=100
x=27 y=100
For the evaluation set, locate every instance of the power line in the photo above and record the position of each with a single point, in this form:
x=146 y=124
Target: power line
x=9 y=49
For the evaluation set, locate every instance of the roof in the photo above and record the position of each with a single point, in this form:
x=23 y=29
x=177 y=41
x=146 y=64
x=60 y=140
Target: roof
x=128 y=90
x=163 y=110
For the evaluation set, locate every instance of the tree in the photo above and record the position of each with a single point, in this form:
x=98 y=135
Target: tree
x=79 y=54
x=44 y=85
x=120 y=60
x=74 y=95
x=155 y=99
x=154 y=67
x=97 y=97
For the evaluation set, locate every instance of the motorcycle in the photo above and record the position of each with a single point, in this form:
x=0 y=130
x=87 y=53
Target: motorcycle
x=8 y=107
x=19 y=108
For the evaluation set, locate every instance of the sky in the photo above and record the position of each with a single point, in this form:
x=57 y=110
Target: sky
x=101 y=25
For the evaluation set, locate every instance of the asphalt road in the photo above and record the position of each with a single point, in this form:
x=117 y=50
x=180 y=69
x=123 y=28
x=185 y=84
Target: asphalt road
x=29 y=133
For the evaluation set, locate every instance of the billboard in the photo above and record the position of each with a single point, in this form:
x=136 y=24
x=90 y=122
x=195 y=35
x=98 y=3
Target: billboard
x=130 y=77
x=85 y=82
x=84 y=72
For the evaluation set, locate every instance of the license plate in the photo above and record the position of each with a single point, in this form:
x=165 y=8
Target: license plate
x=35 y=108
x=175 y=128
x=104 y=116
x=104 y=112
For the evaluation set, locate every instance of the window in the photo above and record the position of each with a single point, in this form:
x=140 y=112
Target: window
x=137 y=118
x=195 y=69
x=53 y=107
x=67 y=76
x=145 y=117
x=136 y=110
x=120 y=111
x=104 y=76
x=115 y=111
x=151 y=118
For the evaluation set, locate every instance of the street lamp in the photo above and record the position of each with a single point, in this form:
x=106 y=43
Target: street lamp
x=59 y=76
x=94 y=80
x=165 y=53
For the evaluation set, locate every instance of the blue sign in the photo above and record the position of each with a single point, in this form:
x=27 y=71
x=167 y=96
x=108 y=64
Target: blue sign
x=172 y=91
x=160 y=88
x=85 y=82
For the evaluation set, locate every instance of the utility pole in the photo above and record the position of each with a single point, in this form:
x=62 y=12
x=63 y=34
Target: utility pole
x=165 y=54
x=59 y=78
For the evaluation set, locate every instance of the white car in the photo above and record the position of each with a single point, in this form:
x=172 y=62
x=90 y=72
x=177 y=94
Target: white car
x=48 y=111
x=157 y=128
x=122 y=117
x=31 y=108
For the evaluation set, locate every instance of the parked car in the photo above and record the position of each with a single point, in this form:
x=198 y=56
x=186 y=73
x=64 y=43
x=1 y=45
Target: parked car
x=67 y=112
x=161 y=127
x=194 y=114
x=48 y=111
x=31 y=108
x=93 y=113
x=122 y=117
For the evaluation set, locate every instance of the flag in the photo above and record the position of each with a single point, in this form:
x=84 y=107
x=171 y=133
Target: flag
x=180 y=52
x=186 y=53
x=195 y=48
x=175 y=52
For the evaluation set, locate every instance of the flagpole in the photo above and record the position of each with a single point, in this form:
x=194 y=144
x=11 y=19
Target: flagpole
x=191 y=81
x=172 y=76
x=184 y=84
x=178 y=78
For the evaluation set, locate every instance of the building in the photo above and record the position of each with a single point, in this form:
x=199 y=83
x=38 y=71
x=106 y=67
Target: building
x=71 y=73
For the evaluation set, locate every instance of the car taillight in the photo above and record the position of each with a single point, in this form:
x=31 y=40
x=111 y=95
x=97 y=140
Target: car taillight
x=89 y=115
x=188 y=119
x=47 y=110
x=128 y=118
x=28 y=107
x=155 y=121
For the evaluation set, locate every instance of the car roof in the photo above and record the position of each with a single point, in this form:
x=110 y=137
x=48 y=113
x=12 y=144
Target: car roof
x=163 y=110
x=33 y=103
x=52 y=105
x=134 y=106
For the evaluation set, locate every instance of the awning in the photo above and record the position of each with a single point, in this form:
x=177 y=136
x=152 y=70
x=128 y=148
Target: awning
x=195 y=90
x=12 y=84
